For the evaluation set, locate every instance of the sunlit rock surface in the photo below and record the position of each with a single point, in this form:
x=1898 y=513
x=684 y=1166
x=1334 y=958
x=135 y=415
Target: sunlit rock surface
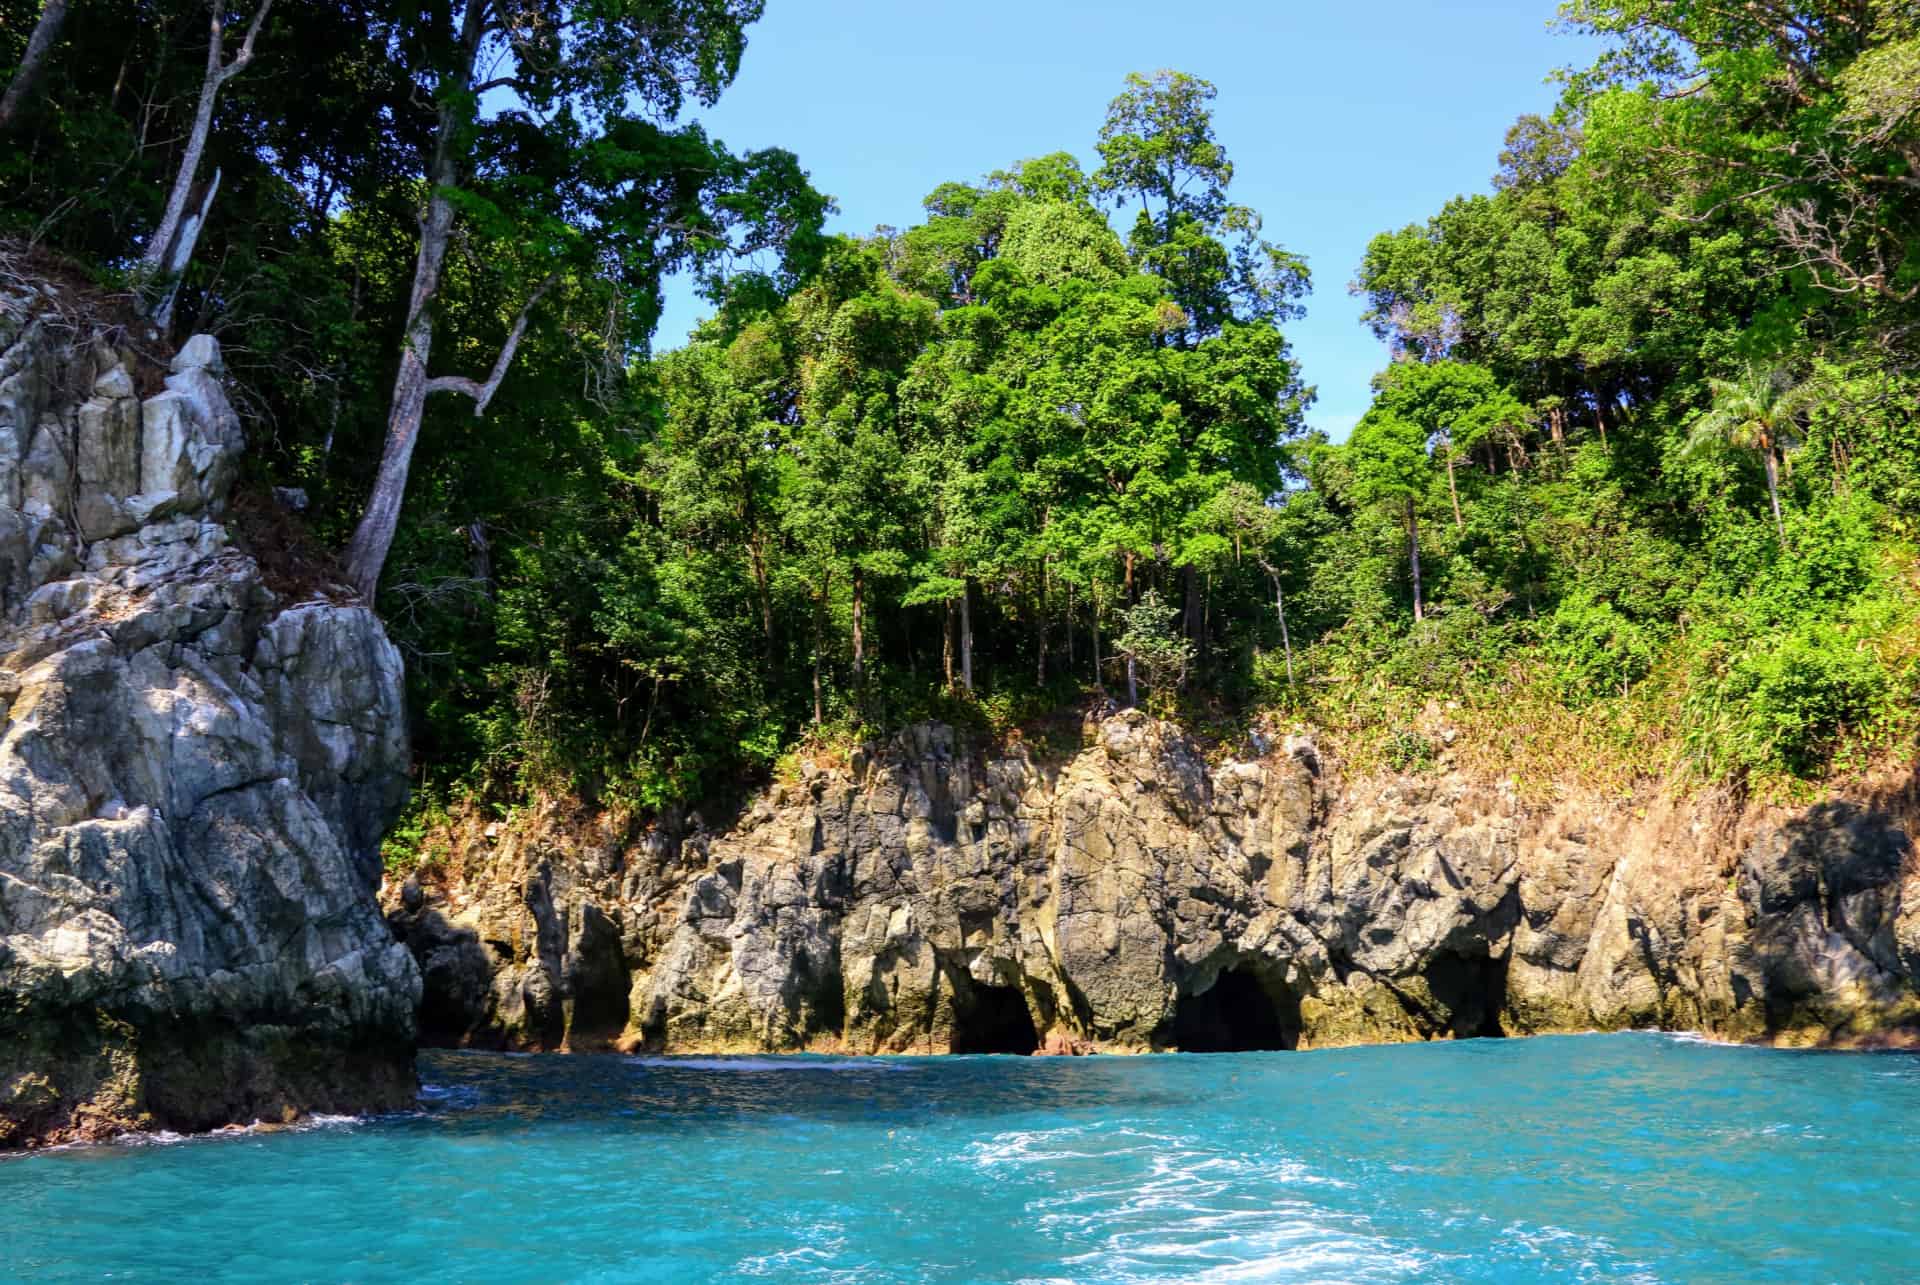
x=194 y=772
x=932 y=896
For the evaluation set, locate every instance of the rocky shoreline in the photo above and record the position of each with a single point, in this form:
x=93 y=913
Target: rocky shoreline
x=930 y=897
x=197 y=766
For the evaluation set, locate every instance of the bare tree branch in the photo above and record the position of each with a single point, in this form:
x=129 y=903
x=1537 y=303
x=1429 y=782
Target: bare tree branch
x=160 y=254
x=483 y=393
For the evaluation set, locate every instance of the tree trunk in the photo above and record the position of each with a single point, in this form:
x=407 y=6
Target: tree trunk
x=1280 y=610
x=966 y=638
x=819 y=715
x=159 y=255
x=1600 y=417
x=367 y=551
x=859 y=635
x=1773 y=494
x=1069 y=627
x=1190 y=608
x=480 y=557
x=1453 y=493
x=1133 y=684
x=1413 y=553
x=946 y=645
x=819 y=646
x=1286 y=642
x=1099 y=679
x=1040 y=629
x=1206 y=615
x=46 y=32
x=759 y=558
x=184 y=242
x=160 y=245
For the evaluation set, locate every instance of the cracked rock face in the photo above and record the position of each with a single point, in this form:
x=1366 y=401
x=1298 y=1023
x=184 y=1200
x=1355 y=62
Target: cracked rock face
x=929 y=898
x=194 y=776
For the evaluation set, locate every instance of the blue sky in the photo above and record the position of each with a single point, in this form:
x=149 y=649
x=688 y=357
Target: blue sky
x=1342 y=120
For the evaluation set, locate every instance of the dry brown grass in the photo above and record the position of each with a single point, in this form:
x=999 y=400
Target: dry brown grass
x=1519 y=729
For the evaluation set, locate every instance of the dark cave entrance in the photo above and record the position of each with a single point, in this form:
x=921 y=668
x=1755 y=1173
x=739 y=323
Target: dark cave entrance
x=1470 y=991
x=1237 y=1014
x=993 y=1019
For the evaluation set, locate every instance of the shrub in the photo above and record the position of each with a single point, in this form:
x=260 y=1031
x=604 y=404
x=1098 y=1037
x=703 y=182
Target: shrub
x=1792 y=696
x=1154 y=643
x=1271 y=684
x=1832 y=557
x=1408 y=751
x=1596 y=650
x=417 y=840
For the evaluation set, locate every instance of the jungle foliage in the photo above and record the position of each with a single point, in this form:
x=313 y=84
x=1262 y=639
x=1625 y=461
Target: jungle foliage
x=1642 y=474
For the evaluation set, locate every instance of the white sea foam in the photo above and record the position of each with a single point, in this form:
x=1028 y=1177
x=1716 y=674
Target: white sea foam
x=1686 y=1037
x=320 y=1120
x=1170 y=1204
x=1582 y=1251
x=455 y=1096
x=1072 y=1142
x=168 y=1138
x=785 y=1264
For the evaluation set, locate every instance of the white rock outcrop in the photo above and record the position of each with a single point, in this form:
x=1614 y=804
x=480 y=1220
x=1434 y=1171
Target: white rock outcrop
x=194 y=774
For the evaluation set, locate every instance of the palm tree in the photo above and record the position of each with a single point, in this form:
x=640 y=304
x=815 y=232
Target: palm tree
x=1759 y=411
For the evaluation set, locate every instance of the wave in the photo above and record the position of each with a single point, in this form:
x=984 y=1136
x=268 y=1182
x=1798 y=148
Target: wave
x=445 y=1096
x=167 y=1137
x=1165 y=1203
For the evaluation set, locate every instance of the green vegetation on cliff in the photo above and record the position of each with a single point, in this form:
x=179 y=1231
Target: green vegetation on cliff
x=1639 y=490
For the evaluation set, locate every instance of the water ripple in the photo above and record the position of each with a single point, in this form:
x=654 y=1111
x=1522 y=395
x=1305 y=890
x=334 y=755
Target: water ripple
x=1598 y=1158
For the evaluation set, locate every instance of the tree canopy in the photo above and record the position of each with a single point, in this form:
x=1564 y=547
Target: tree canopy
x=1639 y=485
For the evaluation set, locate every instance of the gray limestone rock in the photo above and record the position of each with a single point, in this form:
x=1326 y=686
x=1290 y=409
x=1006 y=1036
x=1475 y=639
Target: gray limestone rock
x=935 y=896
x=194 y=779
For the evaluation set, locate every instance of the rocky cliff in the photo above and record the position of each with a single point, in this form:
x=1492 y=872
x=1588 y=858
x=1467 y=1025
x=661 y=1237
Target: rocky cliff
x=195 y=771
x=1133 y=895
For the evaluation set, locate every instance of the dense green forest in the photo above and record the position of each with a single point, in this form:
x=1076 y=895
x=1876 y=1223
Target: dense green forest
x=1638 y=493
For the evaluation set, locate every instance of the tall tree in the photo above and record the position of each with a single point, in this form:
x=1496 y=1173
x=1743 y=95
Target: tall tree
x=1758 y=411
x=171 y=245
x=584 y=68
x=1157 y=147
x=1457 y=404
x=1153 y=647
x=1390 y=466
x=1806 y=112
x=714 y=466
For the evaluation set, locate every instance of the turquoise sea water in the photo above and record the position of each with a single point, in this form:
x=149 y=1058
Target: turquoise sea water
x=1624 y=1157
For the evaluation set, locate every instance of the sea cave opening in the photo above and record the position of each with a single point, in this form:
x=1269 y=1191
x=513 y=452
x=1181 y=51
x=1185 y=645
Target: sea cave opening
x=1470 y=992
x=1237 y=1014
x=994 y=1019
